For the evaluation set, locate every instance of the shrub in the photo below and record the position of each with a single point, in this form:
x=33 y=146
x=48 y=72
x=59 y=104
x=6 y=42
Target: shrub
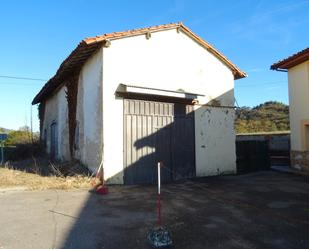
x=23 y=151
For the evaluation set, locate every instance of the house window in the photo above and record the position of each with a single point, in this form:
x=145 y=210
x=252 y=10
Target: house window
x=76 y=136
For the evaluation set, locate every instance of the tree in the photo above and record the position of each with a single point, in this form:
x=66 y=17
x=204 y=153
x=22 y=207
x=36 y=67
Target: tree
x=22 y=136
x=266 y=117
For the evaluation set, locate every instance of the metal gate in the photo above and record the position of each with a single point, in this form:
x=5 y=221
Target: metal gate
x=252 y=156
x=158 y=131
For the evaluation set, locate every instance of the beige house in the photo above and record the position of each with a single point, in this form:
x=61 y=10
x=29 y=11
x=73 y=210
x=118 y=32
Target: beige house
x=297 y=67
x=127 y=100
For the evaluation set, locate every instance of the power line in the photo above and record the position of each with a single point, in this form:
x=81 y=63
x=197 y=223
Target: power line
x=19 y=84
x=21 y=78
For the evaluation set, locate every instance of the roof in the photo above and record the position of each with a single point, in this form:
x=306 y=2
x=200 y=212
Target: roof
x=87 y=47
x=291 y=61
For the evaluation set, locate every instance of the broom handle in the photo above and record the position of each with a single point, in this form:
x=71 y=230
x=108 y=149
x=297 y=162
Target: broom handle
x=159 y=192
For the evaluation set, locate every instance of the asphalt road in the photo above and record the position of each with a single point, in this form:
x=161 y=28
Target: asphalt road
x=263 y=210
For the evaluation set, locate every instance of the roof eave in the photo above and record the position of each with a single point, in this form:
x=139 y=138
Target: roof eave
x=292 y=61
x=61 y=74
x=238 y=74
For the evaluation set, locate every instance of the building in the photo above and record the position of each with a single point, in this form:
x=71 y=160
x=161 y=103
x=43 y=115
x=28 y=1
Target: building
x=297 y=67
x=130 y=99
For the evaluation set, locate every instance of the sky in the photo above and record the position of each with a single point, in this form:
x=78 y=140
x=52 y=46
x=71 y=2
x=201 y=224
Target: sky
x=37 y=35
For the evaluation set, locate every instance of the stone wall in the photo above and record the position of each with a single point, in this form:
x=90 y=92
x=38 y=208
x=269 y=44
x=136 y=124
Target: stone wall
x=300 y=160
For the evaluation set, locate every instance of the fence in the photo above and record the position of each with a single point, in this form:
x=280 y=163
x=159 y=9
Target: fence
x=260 y=151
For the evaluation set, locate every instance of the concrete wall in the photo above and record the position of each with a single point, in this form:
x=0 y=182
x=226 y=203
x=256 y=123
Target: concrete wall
x=299 y=115
x=172 y=61
x=215 y=141
x=89 y=112
x=56 y=110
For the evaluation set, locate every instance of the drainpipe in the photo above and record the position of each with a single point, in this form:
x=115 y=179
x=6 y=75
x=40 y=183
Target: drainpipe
x=102 y=137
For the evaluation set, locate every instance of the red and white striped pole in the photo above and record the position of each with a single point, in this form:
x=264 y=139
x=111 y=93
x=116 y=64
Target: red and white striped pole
x=159 y=192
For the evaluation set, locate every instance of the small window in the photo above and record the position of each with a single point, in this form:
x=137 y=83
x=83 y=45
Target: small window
x=76 y=136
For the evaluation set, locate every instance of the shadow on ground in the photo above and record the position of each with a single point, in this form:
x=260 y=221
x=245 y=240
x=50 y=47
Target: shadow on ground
x=261 y=210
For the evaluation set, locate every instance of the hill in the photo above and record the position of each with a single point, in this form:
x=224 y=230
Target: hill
x=4 y=130
x=266 y=117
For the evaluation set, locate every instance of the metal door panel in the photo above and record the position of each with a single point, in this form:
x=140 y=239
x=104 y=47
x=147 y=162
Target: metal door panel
x=152 y=131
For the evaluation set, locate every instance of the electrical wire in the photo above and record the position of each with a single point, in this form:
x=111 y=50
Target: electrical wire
x=20 y=78
x=19 y=84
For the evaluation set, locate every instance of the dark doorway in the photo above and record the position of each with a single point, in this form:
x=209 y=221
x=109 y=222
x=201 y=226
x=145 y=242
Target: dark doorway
x=158 y=131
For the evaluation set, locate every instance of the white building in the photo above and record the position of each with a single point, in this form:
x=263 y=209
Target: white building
x=297 y=67
x=130 y=99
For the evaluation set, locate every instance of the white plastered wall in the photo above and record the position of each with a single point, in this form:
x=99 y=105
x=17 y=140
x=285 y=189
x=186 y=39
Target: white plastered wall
x=215 y=141
x=89 y=112
x=299 y=102
x=56 y=110
x=170 y=60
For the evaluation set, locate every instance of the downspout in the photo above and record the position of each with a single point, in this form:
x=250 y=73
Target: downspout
x=102 y=118
x=100 y=170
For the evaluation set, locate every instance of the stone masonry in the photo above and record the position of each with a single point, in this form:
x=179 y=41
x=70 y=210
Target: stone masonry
x=300 y=160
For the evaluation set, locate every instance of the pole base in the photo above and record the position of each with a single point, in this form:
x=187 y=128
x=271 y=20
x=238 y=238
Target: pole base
x=159 y=237
x=102 y=190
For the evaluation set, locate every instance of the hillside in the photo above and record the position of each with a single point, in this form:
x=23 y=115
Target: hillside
x=4 y=130
x=266 y=117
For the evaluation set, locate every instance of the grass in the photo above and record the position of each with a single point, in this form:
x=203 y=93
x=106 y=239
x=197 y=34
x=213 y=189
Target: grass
x=10 y=178
x=15 y=178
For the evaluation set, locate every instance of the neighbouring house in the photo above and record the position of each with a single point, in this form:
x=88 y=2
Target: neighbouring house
x=130 y=99
x=297 y=67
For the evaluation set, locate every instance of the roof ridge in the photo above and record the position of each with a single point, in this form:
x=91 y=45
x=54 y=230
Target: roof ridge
x=100 y=38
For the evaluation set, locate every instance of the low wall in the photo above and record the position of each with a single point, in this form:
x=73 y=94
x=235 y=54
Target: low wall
x=300 y=160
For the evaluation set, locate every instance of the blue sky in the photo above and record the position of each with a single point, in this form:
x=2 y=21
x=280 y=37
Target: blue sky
x=36 y=36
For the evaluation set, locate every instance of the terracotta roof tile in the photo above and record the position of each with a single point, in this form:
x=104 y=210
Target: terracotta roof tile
x=89 y=46
x=292 y=60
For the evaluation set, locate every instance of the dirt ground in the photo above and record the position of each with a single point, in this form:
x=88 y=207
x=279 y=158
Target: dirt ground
x=261 y=210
